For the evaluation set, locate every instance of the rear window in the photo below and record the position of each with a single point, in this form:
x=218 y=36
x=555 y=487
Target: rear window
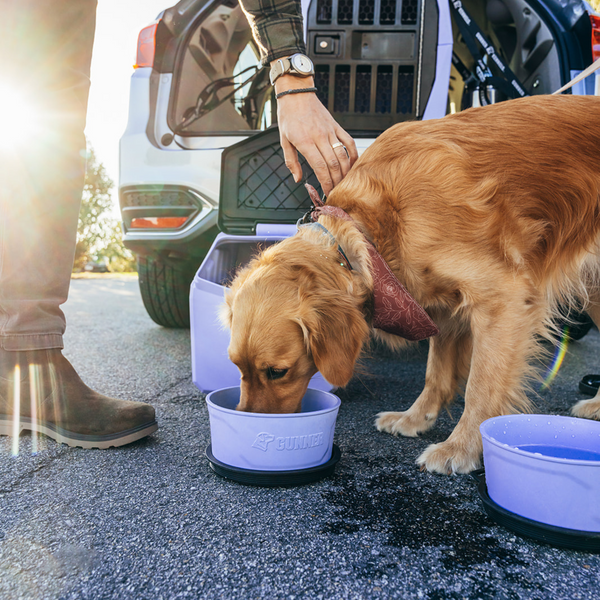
x=220 y=86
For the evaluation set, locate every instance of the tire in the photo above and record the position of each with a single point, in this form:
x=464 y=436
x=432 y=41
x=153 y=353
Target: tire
x=165 y=289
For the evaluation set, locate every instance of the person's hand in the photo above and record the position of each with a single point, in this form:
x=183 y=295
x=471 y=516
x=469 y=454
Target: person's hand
x=306 y=126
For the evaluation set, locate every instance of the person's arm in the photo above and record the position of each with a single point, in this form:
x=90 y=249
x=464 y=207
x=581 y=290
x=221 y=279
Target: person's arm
x=277 y=27
x=305 y=125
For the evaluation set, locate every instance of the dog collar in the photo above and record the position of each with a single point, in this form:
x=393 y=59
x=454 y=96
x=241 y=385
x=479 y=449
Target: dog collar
x=395 y=310
x=345 y=263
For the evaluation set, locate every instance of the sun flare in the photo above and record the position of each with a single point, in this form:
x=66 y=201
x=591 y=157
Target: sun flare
x=19 y=119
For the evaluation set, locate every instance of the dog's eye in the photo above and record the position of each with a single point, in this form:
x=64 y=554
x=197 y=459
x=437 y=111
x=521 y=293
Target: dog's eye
x=273 y=373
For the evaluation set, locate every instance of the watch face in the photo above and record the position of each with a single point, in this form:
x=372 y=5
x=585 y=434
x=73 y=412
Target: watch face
x=302 y=63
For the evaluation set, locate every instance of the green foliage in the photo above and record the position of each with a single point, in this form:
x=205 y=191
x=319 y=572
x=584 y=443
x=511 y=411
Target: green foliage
x=99 y=236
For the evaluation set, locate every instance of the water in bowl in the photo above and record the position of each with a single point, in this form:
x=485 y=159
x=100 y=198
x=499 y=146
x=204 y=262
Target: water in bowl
x=560 y=452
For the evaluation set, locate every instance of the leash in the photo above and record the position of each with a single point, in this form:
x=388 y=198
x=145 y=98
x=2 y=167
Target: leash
x=586 y=73
x=474 y=37
x=509 y=83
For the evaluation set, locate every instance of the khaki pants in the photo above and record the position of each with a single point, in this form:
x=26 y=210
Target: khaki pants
x=45 y=51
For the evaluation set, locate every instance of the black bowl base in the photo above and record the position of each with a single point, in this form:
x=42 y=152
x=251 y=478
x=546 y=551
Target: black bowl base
x=274 y=478
x=587 y=541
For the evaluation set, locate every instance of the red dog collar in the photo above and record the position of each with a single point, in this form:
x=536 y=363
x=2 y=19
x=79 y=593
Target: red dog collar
x=395 y=310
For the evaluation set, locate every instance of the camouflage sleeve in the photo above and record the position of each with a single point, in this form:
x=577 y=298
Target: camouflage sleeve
x=277 y=27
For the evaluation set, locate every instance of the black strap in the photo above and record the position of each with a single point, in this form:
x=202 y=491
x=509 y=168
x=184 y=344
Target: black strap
x=296 y=91
x=508 y=83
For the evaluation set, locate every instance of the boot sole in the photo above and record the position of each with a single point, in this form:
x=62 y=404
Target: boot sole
x=78 y=440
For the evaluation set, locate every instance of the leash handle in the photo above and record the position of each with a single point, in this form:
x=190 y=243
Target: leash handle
x=586 y=73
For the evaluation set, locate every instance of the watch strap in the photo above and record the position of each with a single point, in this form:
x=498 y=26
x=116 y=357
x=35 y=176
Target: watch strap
x=281 y=66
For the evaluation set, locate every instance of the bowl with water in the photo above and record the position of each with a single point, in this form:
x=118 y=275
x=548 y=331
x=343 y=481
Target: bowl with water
x=545 y=468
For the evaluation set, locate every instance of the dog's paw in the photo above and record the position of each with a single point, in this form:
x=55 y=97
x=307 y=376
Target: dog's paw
x=448 y=458
x=587 y=409
x=403 y=423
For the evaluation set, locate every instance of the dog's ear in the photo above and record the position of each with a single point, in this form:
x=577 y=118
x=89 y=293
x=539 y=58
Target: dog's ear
x=335 y=337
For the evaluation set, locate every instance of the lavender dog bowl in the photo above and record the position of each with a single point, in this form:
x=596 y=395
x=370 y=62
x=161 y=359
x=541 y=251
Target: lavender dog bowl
x=545 y=469
x=272 y=449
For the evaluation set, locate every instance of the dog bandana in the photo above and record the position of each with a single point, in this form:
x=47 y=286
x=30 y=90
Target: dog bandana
x=395 y=310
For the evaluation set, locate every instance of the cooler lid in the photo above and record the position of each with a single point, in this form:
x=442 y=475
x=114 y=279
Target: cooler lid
x=257 y=187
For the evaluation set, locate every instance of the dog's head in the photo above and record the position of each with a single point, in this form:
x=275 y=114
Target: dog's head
x=293 y=311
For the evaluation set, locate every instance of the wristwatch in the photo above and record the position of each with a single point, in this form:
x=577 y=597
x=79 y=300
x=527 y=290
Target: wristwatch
x=297 y=64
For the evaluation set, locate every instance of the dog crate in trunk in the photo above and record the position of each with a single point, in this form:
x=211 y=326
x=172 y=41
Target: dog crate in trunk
x=379 y=62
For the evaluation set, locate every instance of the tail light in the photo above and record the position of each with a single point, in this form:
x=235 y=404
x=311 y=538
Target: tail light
x=595 y=37
x=160 y=207
x=146 y=47
x=158 y=222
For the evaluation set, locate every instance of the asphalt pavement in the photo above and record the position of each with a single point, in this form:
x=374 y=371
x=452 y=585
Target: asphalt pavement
x=152 y=521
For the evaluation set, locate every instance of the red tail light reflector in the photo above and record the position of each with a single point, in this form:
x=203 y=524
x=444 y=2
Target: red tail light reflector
x=157 y=222
x=595 y=37
x=145 y=47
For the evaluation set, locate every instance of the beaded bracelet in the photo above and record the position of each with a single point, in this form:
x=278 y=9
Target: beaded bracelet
x=296 y=91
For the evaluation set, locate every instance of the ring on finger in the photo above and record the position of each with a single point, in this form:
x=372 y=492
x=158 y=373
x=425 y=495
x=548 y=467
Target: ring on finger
x=340 y=145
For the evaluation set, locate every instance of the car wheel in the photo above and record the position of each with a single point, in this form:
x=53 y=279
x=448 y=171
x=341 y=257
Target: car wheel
x=165 y=289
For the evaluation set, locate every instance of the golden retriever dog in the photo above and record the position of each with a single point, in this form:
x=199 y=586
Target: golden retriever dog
x=489 y=218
